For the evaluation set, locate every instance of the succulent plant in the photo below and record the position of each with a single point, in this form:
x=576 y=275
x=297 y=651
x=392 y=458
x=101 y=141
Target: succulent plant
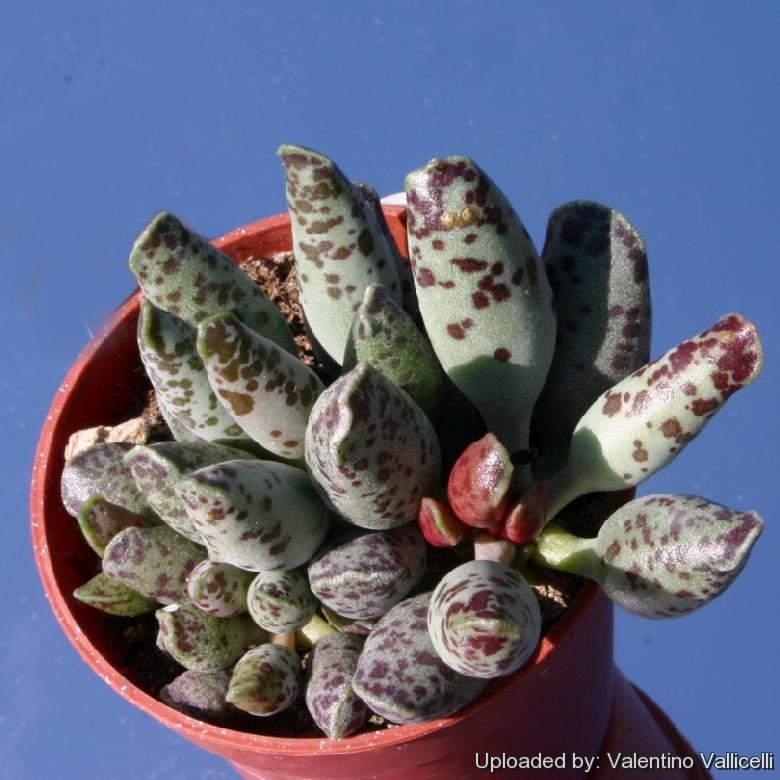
x=365 y=537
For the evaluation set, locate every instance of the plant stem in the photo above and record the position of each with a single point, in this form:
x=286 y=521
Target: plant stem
x=557 y=549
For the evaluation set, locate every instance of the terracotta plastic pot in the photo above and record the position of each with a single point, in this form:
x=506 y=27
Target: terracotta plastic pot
x=568 y=705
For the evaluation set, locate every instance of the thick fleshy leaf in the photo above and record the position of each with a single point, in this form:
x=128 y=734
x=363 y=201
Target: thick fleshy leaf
x=331 y=700
x=371 y=450
x=154 y=561
x=479 y=486
x=100 y=521
x=281 y=601
x=167 y=346
x=405 y=276
x=339 y=248
x=266 y=680
x=157 y=467
x=484 y=619
x=362 y=577
x=100 y=470
x=199 y=694
x=482 y=291
x=219 y=588
x=201 y=642
x=385 y=336
x=438 y=523
x=643 y=422
x=400 y=676
x=267 y=391
x=255 y=514
x=114 y=597
x=597 y=266
x=659 y=556
x=182 y=273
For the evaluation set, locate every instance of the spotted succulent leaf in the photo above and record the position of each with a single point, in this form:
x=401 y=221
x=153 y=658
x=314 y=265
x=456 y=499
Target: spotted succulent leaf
x=267 y=391
x=480 y=483
x=385 y=336
x=157 y=467
x=199 y=694
x=219 y=588
x=281 y=601
x=182 y=273
x=100 y=470
x=642 y=423
x=114 y=597
x=596 y=262
x=167 y=346
x=100 y=521
x=659 y=556
x=201 y=642
x=255 y=514
x=399 y=674
x=438 y=523
x=371 y=450
x=339 y=248
x=331 y=700
x=362 y=577
x=266 y=680
x=482 y=291
x=484 y=619
x=154 y=561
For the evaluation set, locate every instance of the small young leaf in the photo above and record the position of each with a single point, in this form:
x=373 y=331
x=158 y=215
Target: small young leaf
x=100 y=521
x=266 y=680
x=281 y=601
x=114 y=597
x=219 y=588
x=201 y=642
x=199 y=694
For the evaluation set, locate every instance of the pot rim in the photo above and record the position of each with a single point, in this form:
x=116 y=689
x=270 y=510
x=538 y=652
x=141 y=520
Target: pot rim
x=44 y=490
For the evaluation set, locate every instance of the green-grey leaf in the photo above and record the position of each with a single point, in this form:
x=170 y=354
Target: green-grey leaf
x=643 y=422
x=201 y=642
x=157 y=467
x=254 y=514
x=219 y=588
x=267 y=391
x=100 y=470
x=114 y=597
x=658 y=556
x=154 y=561
x=281 y=601
x=266 y=680
x=182 y=273
x=100 y=521
x=385 y=336
x=482 y=291
x=339 y=248
x=167 y=346
x=371 y=450
x=597 y=266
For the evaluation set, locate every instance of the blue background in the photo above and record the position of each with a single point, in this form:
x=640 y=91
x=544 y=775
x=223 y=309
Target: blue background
x=111 y=111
